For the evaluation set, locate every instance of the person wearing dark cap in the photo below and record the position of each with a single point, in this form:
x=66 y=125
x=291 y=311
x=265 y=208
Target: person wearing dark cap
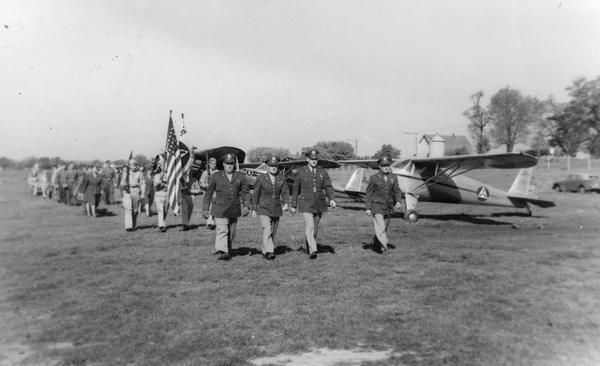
x=383 y=195
x=311 y=187
x=270 y=192
x=231 y=195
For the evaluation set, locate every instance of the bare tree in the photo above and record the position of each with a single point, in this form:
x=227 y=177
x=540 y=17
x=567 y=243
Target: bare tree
x=479 y=118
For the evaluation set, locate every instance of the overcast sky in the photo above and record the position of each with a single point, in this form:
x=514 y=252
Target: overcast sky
x=96 y=79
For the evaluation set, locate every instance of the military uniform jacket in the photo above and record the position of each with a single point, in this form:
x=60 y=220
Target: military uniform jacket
x=310 y=190
x=228 y=195
x=108 y=174
x=136 y=180
x=382 y=195
x=268 y=197
x=71 y=176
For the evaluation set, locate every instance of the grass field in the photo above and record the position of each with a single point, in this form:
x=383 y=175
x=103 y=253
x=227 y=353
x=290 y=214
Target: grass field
x=466 y=285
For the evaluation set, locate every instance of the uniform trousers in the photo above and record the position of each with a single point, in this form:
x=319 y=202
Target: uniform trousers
x=160 y=199
x=187 y=206
x=62 y=194
x=107 y=190
x=269 y=226
x=311 y=228
x=381 y=223
x=131 y=203
x=225 y=233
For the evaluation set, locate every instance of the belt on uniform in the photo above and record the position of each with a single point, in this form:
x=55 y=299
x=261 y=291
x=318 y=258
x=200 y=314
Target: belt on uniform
x=134 y=186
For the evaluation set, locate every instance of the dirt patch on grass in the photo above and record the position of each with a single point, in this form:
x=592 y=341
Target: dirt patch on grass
x=325 y=357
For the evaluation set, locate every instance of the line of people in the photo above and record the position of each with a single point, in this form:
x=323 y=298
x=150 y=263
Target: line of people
x=226 y=197
x=88 y=185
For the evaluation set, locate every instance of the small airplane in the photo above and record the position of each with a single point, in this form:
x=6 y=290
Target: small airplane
x=441 y=179
x=287 y=168
x=201 y=158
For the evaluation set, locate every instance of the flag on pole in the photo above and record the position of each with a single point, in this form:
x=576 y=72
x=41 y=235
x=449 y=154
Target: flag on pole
x=174 y=167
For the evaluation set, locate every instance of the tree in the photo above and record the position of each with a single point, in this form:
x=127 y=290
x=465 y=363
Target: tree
x=141 y=159
x=568 y=131
x=511 y=116
x=387 y=149
x=6 y=163
x=479 y=118
x=335 y=150
x=260 y=154
x=576 y=124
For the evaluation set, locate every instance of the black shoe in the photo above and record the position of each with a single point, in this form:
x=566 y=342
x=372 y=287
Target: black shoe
x=129 y=230
x=185 y=228
x=313 y=255
x=269 y=256
x=224 y=256
x=212 y=227
x=163 y=229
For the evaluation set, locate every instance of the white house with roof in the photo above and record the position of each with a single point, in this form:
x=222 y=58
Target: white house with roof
x=449 y=144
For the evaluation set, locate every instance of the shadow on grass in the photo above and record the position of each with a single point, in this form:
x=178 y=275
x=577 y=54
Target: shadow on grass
x=473 y=219
x=244 y=251
x=282 y=249
x=101 y=212
x=517 y=214
x=320 y=249
x=376 y=246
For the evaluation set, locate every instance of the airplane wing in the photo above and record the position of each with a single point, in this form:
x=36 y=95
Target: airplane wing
x=479 y=161
x=323 y=163
x=371 y=163
x=251 y=165
x=220 y=152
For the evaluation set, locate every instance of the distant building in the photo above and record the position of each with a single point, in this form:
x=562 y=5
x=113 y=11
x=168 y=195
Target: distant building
x=452 y=144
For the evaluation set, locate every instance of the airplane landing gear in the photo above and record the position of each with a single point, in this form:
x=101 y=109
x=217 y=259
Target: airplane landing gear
x=411 y=216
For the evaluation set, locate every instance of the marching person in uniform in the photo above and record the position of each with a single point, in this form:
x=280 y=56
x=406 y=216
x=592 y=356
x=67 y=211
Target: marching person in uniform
x=270 y=191
x=231 y=199
x=71 y=177
x=204 y=180
x=134 y=187
x=91 y=187
x=311 y=187
x=108 y=181
x=161 y=194
x=383 y=195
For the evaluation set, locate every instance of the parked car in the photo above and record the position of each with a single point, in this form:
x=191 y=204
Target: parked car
x=578 y=183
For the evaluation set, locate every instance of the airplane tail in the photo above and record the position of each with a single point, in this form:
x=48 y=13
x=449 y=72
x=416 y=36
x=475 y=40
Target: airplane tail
x=521 y=189
x=355 y=188
x=357 y=182
x=522 y=184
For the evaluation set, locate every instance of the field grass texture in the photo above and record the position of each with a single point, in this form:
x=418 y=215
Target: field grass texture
x=466 y=285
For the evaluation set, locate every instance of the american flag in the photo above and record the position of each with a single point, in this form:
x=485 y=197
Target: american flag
x=174 y=168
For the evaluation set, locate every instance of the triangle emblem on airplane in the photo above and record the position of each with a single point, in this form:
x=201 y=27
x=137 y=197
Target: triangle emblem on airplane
x=482 y=193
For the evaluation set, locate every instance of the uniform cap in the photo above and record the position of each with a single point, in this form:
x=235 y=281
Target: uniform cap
x=273 y=161
x=385 y=160
x=229 y=158
x=312 y=154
